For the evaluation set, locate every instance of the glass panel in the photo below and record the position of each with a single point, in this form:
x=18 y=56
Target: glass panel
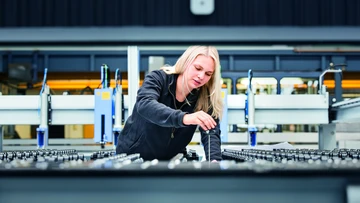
x=259 y=85
x=227 y=83
x=299 y=86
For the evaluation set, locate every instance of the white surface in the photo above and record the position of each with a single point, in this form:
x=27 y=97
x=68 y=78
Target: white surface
x=347 y=111
x=133 y=73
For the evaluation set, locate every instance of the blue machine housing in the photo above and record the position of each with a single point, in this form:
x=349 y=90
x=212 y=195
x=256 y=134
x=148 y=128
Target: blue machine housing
x=103 y=120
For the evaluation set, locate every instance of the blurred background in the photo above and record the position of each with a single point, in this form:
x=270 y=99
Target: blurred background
x=287 y=44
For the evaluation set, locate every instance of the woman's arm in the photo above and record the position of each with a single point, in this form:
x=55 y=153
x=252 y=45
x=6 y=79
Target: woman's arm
x=147 y=104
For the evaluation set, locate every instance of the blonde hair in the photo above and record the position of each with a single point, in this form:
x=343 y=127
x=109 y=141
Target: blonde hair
x=212 y=88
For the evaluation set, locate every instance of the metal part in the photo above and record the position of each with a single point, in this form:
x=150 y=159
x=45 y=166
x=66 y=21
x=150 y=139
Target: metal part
x=79 y=109
x=105 y=76
x=117 y=114
x=103 y=131
x=66 y=109
x=209 y=135
x=224 y=120
x=72 y=109
x=43 y=129
x=327 y=137
x=347 y=111
x=133 y=73
x=118 y=107
x=1 y=137
x=250 y=112
x=289 y=109
x=322 y=87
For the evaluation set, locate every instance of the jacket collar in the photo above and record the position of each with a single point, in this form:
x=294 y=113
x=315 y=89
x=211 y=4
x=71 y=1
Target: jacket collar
x=192 y=97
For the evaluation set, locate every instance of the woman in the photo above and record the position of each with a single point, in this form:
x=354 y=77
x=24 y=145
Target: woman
x=171 y=103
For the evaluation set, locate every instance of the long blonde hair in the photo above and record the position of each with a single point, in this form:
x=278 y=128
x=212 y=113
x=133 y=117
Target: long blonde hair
x=212 y=88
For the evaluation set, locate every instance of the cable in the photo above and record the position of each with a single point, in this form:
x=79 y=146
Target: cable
x=116 y=77
x=209 y=146
x=44 y=81
x=250 y=76
x=42 y=89
x=118 y=80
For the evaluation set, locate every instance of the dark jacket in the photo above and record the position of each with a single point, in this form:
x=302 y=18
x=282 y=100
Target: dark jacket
x=155 y=128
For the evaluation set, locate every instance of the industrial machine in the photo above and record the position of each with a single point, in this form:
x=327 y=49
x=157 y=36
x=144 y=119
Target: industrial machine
x=104 y=110
x=250 y=174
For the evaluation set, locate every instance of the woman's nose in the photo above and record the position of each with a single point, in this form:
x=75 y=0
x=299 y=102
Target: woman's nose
x=200 y=75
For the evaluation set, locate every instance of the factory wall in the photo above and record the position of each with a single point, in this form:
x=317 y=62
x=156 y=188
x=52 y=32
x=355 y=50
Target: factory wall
x=234 y=60
x=22 y=21
x=69 y=13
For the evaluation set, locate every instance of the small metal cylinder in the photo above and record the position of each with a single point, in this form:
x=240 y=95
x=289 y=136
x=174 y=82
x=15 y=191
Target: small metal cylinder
x=105 y=76
x=252 y=141
x=251 y=107
x=118 y=110
x=44 y=108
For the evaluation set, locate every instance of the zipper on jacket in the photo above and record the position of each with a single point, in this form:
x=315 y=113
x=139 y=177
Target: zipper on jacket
x=172 y=133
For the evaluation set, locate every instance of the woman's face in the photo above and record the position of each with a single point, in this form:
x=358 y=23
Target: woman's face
x=200 y=71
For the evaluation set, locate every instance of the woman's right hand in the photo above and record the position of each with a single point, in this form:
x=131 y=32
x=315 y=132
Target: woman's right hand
x=201 y=118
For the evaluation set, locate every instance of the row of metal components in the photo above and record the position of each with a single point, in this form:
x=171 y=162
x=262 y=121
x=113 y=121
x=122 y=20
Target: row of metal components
x=46 y=154
x=289 y=154
x=45 y=159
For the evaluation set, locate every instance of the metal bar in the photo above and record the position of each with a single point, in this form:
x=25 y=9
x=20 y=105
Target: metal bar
x=54 y=141
x=72 y=109
x=327 y=137
x=277 y=63
x=78 y=148
x=183 y=34
x=2 y=68
x=309 y=109
x=79 y=109
x=338 y=87
x=133 y=73
x=117 y=123
x=35 y=66
x=239 y=137
x=92 y=62
x=347 y=111
x=231 y=63
x=323 y=63
x=263 y=137
x=1 y=137
x=276 y=74
x=347 y=104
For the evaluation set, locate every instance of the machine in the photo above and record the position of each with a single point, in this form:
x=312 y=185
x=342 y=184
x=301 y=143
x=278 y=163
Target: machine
x=250 y=174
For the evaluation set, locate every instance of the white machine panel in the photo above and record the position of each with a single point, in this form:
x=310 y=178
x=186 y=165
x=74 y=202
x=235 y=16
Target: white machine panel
x=281 y=109
x=79 y=109
x=347 y=111
x=19 y=109
x=72 y=109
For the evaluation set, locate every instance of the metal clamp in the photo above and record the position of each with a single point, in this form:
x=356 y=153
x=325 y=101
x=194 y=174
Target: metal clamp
x=322 y=87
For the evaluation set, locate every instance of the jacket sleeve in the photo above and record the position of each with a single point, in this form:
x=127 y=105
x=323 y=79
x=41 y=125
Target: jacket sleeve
x=147 y=104
x=215 y=142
